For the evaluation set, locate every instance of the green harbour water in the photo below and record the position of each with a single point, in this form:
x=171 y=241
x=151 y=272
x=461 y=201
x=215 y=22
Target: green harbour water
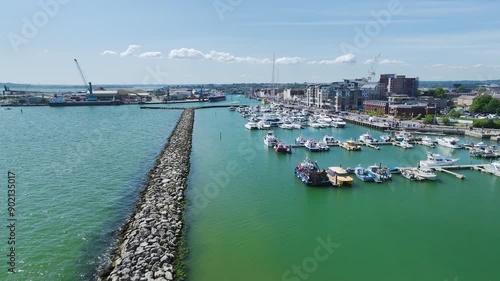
x=79 y=171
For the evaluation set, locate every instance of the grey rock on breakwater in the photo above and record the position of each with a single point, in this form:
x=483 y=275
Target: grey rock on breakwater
x=148 y=242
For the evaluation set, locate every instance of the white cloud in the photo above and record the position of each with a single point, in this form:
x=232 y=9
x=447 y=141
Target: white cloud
x=345 y=59
x=396 y=62
x=108 y=53
x=130 y=50
x=185 y=53
x=369 y=61
x=477 y=65
x=289 y=60
x=150 y=55
x=445 y=66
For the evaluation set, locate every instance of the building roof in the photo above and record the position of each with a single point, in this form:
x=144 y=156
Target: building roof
x=466 y=97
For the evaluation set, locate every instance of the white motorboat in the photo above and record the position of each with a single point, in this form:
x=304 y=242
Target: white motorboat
x=329 y=140
x=338 y=122
x=450 y=142
x=436 y=160
x=404 y=135
x=367 y=138
x=411 y=175
x=405 y=144
x=386 y=138
x=428 y=142
x=262 y=125
x=426 y=173
x=252 y=125
x=270 y=140
x=287 y=126
x=480 y=145
x=493 y=168
x=315 y=124
x=312 y=145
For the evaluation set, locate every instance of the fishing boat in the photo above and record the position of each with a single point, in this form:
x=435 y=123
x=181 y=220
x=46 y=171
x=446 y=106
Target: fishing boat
x=378 y=173
x=434 y=160
x=393 y=170
x=362 y=174
x=450 y=142
x=270 y=140
x=338 y=176
x=323 y=146
x=310 y=174
x=280 y=147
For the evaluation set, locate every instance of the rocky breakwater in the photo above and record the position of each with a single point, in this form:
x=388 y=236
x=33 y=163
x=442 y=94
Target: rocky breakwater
x=148 y=242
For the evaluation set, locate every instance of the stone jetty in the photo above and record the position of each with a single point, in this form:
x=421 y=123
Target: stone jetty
x=148 y=242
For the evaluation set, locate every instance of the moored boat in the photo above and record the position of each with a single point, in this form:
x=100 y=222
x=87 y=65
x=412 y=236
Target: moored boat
x=350 y=145
x=434 y=160
x=338 y=176
x=450 y=142
x=362 y=174
x=270 y=140
x=310 y=174
x=251 y=126
x=411 y=175
x=280 y=147
x=425 y=172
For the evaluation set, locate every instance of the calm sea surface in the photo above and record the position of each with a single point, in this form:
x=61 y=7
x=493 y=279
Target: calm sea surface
x=79 y=170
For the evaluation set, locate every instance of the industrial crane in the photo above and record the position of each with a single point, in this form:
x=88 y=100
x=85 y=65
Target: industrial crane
x=90 y=96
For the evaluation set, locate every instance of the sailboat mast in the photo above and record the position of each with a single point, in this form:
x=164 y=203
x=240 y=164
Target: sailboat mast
x=272 y=79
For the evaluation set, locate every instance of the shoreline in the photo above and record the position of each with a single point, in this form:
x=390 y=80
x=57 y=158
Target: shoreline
x=150 y=241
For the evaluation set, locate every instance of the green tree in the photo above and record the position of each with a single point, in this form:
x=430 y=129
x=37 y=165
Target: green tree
x=482 y=89
x=429 y=119
x=461 y=89
x=446 y=121
x=439 y=92
x=493 y=106
x=479 y=103
x=454 y=114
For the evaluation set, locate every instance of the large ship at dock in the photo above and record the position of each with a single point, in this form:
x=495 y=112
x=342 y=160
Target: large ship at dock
x=217 y=97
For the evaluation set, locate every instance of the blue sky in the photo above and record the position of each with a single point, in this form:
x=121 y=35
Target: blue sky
x=226 y=41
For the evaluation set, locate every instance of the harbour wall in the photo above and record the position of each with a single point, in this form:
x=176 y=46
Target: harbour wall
x=148 y=243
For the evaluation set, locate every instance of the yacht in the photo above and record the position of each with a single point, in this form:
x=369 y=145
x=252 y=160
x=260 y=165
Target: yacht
x=338 y=122
x=405 y=144
x=480 y=145
x=450 y=142
x=263 y=125
x=251 y=125
x=436 y=160
x=270 y=140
